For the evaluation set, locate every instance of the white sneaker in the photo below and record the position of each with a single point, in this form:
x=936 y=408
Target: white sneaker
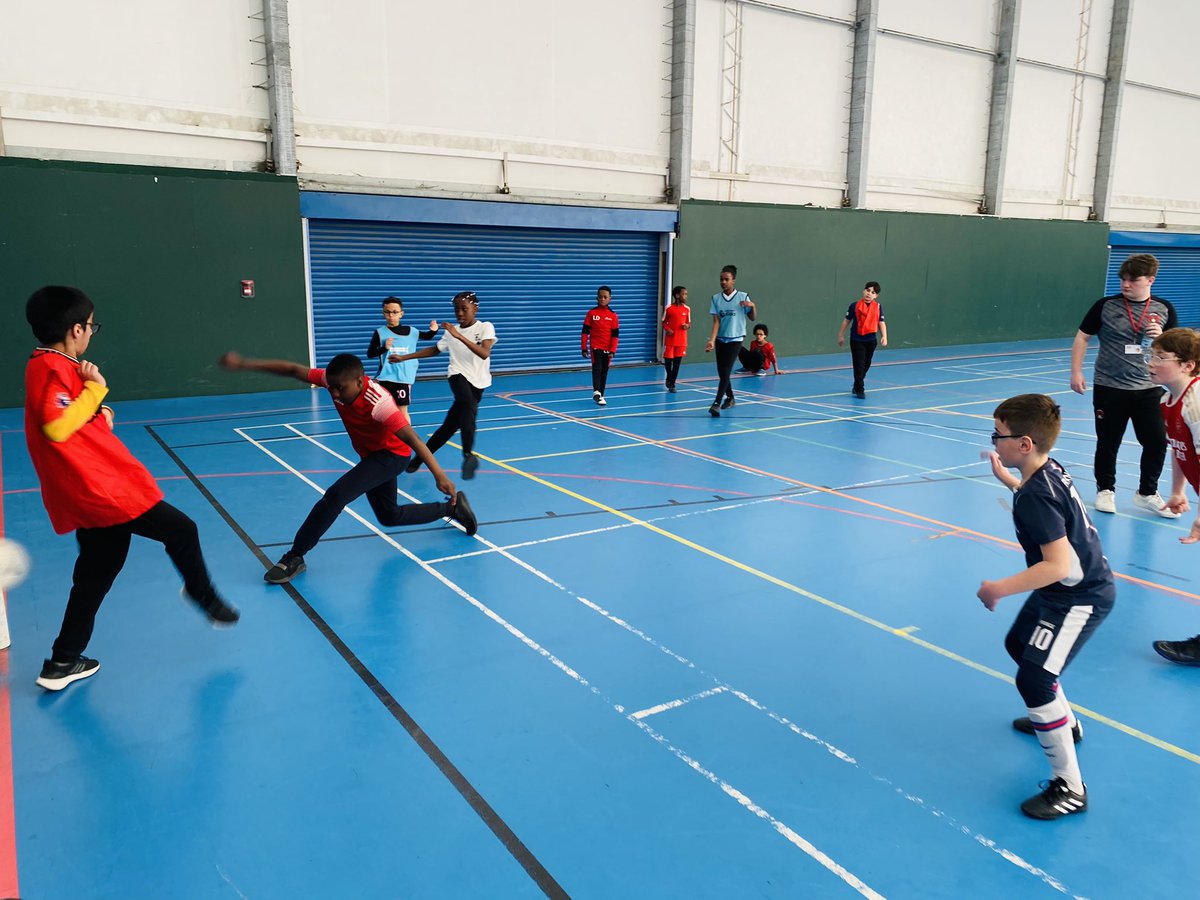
x=1155 y=503
x=1106 y=501
x=595 y=395
x=600 y=401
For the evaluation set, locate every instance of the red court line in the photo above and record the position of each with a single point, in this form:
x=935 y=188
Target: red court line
x=8 y=816
x=839 y=367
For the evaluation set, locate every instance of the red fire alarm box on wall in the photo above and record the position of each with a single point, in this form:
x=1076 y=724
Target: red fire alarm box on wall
x=248 y=287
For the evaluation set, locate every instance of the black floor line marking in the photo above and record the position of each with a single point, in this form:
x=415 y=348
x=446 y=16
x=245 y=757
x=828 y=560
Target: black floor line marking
x=482 y=808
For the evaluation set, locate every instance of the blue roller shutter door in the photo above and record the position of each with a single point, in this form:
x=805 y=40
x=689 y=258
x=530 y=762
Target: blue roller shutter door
x=533 y=284
x=1178 y=277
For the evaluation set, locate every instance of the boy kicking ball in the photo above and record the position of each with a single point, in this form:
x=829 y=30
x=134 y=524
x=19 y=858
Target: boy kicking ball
x=382 y=437
x=1072 y=590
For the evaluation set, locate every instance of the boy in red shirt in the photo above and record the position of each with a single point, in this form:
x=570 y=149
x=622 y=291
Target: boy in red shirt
x=600 y=325
x=760 y=355
x=382 y=436
x=1175 y=364
x=91 y=483
x=677 y=319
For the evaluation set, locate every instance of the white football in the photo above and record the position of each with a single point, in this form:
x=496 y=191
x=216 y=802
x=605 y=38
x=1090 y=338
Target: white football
x=14 y=563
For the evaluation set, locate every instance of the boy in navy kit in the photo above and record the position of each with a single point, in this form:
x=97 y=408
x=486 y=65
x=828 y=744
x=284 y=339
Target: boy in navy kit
x=91 y=484
x=730 y=309
x=383 y=438
x=867 y=330
x=601 y=329
x=1072 y=590
x=388 y=343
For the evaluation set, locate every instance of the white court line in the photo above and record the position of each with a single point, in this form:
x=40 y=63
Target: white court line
x=728 y=789
x=848 y=877
x=675 y=704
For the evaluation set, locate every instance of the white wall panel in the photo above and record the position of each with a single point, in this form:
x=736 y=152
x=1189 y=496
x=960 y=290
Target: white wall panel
x=1162 y=44
x=969 y=22
x=928 y=127
x=1051 y=165
x=794 y=115
x=1049 y=32
x=132 y=81
x=576 y=87
x=1157 y=177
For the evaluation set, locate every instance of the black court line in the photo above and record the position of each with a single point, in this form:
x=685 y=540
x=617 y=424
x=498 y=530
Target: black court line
x=513 y=844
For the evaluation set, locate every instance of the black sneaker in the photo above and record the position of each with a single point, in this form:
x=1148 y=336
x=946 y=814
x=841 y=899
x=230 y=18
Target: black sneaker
x=57 y=675
x=470 y=464
x=729 y=401
x=464 y=515
x=218 y=611
x=860 y=394
x=285 y=570
x=413 y=464
x=1186 y=653
x=1025 y=726
x=671 y=388
x=1055 y=801
x=714 y=411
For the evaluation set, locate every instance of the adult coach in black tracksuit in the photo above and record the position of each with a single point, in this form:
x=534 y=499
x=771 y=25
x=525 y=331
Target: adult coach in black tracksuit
x=1122 y=391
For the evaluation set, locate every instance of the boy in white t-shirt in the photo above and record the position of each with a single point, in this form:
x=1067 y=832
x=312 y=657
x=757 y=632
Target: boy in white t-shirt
x=470 y=372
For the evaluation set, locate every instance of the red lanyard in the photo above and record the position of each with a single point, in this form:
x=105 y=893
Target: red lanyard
x=1129 y=310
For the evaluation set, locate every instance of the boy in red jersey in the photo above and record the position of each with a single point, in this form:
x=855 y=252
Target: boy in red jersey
x=1174 y=360
x=600 y=326
x=91 y=483
x=383 y=438
x=759 y=357
x=677 y=319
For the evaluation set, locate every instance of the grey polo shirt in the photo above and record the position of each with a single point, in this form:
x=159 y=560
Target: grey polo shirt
x=1109 y=318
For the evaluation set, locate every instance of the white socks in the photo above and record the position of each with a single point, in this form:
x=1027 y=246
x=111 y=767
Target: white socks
x=1058 y=743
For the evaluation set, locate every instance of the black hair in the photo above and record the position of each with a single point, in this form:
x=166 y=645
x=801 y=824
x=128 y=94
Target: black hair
x=675 y=291
x=55 y=309
x=344 y=367
x=759 y=326
x=1035 y=416
x=469 y=296
x=604 y=287
x=396 y=300
x=732 y=270
x=873 y=284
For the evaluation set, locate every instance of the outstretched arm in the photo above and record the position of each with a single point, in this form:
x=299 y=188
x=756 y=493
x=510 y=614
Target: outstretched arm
x=416 y=354
x=406 y=434
x=235 y=362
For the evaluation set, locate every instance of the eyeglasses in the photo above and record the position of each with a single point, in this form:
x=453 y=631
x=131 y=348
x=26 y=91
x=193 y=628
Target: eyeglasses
x=95 y=326
x=1156 y=359
x=997 y=437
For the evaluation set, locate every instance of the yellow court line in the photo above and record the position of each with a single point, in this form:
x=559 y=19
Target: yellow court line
x=837 y=607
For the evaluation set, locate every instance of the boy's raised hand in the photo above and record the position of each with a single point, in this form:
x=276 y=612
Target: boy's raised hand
x=433 y=324
x=230 y=360
x=89 y=371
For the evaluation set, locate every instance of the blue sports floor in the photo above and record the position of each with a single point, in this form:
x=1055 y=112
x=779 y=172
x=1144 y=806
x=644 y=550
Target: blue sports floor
x=684 y=657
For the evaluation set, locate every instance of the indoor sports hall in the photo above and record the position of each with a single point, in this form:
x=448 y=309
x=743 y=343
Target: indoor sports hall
x=684 y=656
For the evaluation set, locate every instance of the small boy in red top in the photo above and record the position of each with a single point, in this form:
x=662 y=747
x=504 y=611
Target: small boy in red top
x=381 y=435
x=760 y=355
x=91 y=483
x=1175 y=364
x=677 y=319
x=600 y=325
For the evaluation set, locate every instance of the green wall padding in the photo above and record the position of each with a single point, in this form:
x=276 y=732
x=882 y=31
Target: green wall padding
x=161 y=252
x=946 y=279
